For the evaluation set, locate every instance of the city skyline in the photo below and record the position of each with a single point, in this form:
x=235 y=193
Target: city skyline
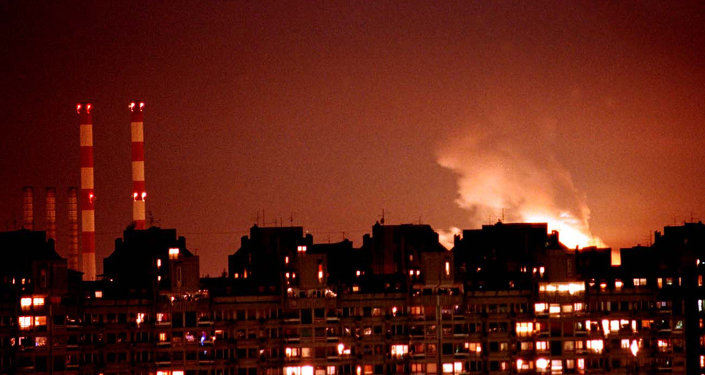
x=331 y=113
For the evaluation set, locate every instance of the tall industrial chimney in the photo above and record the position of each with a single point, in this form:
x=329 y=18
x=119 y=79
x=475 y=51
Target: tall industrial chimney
x=28 y=208
x=87 y=195
x=73 y=229
x=51 y=212
x=139 y=193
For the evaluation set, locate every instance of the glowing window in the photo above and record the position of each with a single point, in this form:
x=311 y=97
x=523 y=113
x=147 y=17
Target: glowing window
x=162 y=336
x=595 y=345
x=540 y=308
x=40 y=341
x=524 y=328
x=98 y=294
x=399 y=350
x=25 y=322
x=447 y=268
x=40 y=321
x=554 y=309
x=320 y=273
x=159 y=263
x=473 y=347
x=542 y=364
x=301 y=248
x=541 y=345
x=618 y=284
x=173 y=253
x=26 y=303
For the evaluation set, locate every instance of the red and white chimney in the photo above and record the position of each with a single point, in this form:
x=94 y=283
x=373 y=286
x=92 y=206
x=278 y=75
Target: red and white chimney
x=139 y=192
x=28 y=208
x=87 y=194
x=73 y=229
x=51 y=213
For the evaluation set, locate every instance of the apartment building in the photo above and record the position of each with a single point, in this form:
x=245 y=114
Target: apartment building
x=507 y=299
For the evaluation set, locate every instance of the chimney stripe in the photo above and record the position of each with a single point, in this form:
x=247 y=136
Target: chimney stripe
x=87 y=194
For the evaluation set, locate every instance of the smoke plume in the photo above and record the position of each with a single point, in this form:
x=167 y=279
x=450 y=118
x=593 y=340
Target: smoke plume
x=511 y=172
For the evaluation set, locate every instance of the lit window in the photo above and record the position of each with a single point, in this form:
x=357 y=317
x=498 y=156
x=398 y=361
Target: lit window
x=524 y=328
x=473 y=347
x=330 y=370
x=578 y=306
x=25 y=322
x=301 y=248
x=173 y=253
x=98 y=294
x=286 y=260
x=26 y=303
x=399 y=350
x=542 y=364
x=540 y=308
x=554 y=309
x=292 y=352
x=140 y=318
x=40 y=341
x=625 y=343
x=320 y=273
x=159 y=262
x=595 y=345
x=162 y=317
x=618 y=284
x=581 y=363
x=40 y=321
x=162 y=336
x=447 y=268
x=541 y=345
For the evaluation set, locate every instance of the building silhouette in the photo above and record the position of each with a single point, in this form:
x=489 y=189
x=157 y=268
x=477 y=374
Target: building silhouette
x=507 y=299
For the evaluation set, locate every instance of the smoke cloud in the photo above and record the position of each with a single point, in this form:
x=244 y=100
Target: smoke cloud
x=511 y=171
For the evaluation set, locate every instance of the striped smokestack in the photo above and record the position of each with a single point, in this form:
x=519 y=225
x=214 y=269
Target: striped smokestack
x=51 y=212
x=73 y=229
x=87 y=195
x=28 y=208
x=139 y=193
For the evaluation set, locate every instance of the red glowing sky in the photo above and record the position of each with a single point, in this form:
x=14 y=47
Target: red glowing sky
x=333 y=111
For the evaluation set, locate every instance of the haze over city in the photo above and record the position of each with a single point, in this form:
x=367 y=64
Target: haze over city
x=455 y=114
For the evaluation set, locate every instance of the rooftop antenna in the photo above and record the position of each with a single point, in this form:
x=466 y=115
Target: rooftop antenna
x=381 y=221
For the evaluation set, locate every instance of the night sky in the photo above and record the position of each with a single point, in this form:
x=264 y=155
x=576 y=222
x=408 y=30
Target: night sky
x=438 y=112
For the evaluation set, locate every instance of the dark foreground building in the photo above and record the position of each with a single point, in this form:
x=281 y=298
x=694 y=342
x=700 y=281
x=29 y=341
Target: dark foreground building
x=507 y=299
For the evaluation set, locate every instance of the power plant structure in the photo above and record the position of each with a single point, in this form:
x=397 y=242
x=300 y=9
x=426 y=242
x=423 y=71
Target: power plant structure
x=51 y=213
x=73 y=254
x=28 y=208
x=139 y=192
x=87 y=192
